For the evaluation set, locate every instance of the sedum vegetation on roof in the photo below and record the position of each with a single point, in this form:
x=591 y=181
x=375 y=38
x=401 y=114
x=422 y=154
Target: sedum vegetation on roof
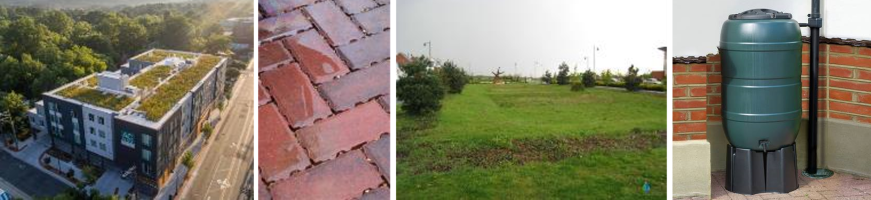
x=152 y=77
x=168 y=94
x=96 y=97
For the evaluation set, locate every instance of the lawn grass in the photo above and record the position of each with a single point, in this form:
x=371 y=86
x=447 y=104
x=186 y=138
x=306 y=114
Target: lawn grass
x=96 y=97
x=486 y=142
x=152 y=77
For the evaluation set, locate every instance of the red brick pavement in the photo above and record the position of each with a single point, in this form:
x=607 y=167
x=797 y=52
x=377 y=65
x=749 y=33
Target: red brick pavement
x=324 y=99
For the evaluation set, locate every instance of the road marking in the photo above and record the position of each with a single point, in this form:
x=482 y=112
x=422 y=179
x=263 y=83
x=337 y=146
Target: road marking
x=246 y=132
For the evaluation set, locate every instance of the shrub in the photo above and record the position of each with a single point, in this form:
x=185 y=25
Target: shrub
x=207 y=130
x=577 y=87
x=575 y=82
x=562 y=77
x=632 y=79
x=188 y=160
x=453 y=77
x=419 y=88
x=547 y=78
x=589 y=78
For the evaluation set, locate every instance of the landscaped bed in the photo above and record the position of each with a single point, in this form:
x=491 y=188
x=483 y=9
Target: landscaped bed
x=152 y=77
x=95 y=97
x=166 y=95
x=526 y=141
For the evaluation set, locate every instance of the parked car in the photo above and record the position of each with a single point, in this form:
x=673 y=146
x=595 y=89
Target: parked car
x=5 y=195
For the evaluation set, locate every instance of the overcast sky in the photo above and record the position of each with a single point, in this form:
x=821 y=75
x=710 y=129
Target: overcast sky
x=481 y=35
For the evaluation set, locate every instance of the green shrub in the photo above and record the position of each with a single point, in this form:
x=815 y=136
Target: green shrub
x=632 y=80
x=547 y=78
x=419 y=88
x=654 y=87
x=188 y=160
x=453 y=77
x=577 y=87
x=589 y=78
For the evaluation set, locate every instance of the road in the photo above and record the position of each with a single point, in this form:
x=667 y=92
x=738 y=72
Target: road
x=229 y=157
x=26 y=178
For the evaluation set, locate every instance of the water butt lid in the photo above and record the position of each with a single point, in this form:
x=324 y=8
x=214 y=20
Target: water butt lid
x=761 y=13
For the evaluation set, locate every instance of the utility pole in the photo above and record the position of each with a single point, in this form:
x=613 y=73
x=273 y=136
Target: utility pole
x=595 y=49
x=429 y=45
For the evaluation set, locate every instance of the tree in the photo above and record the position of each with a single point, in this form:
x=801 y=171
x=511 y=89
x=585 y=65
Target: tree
x=217 y=43
x=607 y=77
x=454 y=78
x=562 y=77
x=13 y=104
x=178 y=32
x=632 y=80
x=131 y=37
x=589 y=78
x=419 y=88
x=57 y=21
x=547 y=78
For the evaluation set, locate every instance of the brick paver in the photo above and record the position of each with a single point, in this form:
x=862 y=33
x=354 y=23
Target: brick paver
x=374 y=21
x=324 y=99
x=279 y=152
x=284 y=24
x=295 y=96
x=344 y=131
x=379 y=152
x=271 y=55
x=344 y=178
x=361 y=54
x=357 y=87
x=339 y=28
x=377 y=194
x=316 y=57
x=262 y=96
x=839 y=186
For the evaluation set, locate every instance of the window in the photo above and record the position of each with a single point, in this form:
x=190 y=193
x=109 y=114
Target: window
x=146 y=140
x=102 y=134
x=92 y=131
x=102 y=121
x=93 y=143
x=102 y=146
x=127 y=139
x=146 y=155
x=91 y=117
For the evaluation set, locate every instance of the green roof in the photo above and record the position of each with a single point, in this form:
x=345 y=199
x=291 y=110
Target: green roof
x=157 y=55
x=151 y=78
x=96 y=97
x=171 y=92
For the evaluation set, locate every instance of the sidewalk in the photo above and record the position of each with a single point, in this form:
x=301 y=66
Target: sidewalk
x=33 y=152
x=839 y=186
x=217 y=129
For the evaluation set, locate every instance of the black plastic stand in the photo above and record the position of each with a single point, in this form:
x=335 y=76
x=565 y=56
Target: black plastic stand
x=752 y=172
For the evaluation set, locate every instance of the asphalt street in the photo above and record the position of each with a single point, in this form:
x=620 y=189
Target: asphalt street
x=27 y=178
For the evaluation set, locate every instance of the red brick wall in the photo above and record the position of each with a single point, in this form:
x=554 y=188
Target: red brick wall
x=844 y=75
x=689 y=99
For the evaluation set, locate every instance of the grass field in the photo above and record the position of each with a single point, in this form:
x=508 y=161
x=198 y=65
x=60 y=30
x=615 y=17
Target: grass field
x=532 y=142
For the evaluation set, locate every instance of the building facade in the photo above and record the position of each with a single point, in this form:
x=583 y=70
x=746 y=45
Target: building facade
x=140 y=118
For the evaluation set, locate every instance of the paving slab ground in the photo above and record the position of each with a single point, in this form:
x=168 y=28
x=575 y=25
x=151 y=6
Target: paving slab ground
x=324 y=74
x=839 y=186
